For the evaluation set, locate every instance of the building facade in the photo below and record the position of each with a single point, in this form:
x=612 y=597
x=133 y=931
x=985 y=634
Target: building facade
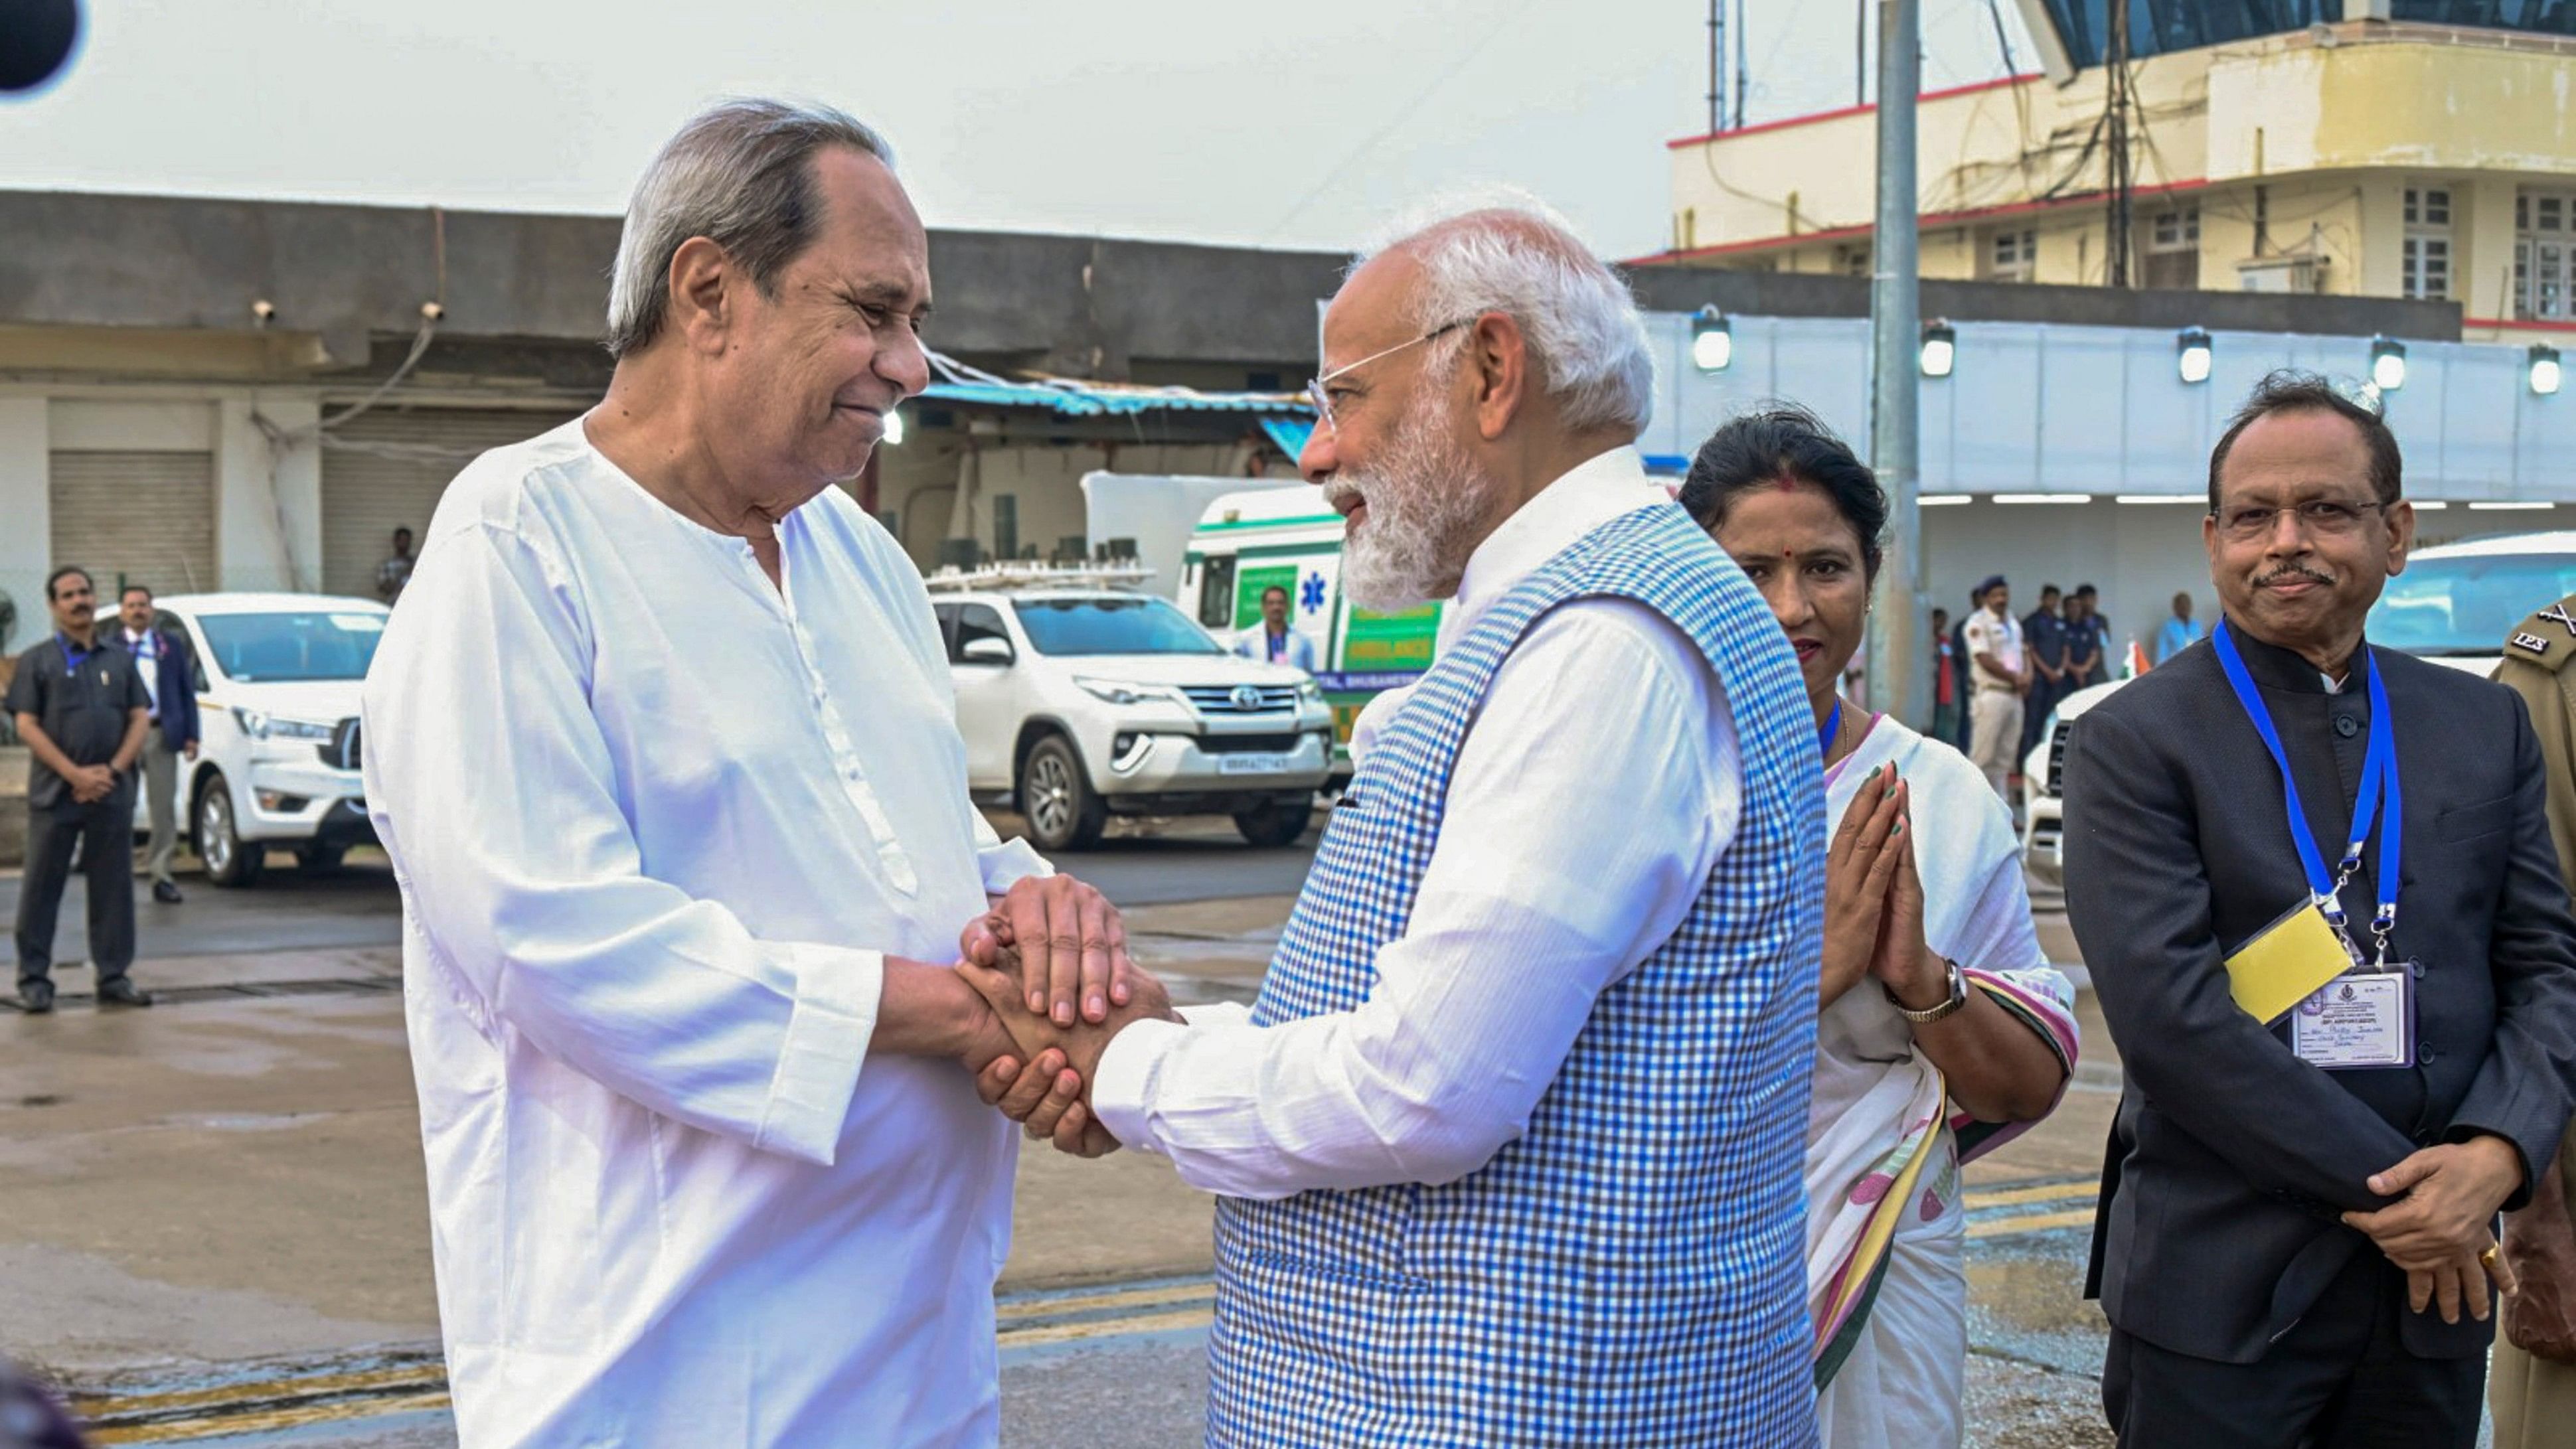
x=2369 y=148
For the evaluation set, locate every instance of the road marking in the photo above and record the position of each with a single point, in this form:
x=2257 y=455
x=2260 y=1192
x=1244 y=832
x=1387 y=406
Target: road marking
x=2030 y=1223
x=1107 y=1328
x=96 y=1406
x=2045 y=1192
x=1014 y=1310
x=177 y=1431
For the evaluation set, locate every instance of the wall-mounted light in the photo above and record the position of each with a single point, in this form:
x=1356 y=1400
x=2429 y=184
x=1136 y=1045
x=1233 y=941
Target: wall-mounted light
x=893 y=427
x=1712 y=340
x=2510 y=507
x=2191 y=354
x=1940 y=347
x=2387 y=363
x=1941 y=500
x=2043 y=498
x=2148 y=499
x=2544 y=370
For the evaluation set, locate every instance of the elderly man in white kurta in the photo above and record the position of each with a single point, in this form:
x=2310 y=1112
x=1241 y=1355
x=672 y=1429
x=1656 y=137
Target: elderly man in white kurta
x=663 y=747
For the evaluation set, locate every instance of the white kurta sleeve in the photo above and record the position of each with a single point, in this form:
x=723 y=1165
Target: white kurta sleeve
x=491 y=783
x=1005 y=863
x=1588 y=804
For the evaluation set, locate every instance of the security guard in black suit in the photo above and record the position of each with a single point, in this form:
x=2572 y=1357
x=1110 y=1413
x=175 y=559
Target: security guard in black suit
x=2340 y=1062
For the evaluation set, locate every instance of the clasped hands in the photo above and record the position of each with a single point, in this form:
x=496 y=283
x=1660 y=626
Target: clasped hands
x=1874 y=900
x=1050 y=964
x=91 y=783
x=2438 y=1230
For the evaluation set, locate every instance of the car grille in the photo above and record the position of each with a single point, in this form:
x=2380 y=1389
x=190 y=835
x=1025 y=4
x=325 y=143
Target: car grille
x=2057 y=757
x=1249 y=744
x=1220 y=698
x=342 y=751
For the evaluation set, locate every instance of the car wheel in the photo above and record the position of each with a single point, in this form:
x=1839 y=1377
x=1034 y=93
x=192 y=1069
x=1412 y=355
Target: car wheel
x=320 y=859
x=1275 y=825
x=1063 y=811
x=230 y=860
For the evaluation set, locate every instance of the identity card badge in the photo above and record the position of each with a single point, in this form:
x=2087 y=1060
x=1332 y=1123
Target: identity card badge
x=2360 y=1019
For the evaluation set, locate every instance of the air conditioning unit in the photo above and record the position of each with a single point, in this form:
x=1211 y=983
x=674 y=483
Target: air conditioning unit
x=2281 y=274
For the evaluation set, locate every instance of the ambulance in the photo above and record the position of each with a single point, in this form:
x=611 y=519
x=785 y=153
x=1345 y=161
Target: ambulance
x=1247 y=543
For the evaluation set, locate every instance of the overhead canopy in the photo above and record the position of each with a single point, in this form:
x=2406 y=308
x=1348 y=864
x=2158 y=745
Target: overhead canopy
x=1066 y=397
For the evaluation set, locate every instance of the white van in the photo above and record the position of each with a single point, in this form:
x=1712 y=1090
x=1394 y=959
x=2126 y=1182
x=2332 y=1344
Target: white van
x=1248 y=543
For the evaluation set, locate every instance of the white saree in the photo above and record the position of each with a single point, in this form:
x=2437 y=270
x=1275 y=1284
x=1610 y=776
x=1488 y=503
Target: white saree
x=1886 y=1229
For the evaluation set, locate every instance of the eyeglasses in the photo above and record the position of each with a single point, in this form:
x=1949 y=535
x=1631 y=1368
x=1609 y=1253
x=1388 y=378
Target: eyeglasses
x=2324 y=517
x=1315 y=386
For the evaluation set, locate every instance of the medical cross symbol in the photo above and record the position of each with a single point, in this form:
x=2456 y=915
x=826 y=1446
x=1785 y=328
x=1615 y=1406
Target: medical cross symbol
x=1310 y=594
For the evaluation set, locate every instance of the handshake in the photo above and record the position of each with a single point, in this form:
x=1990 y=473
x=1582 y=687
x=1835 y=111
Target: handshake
x=1049 y=966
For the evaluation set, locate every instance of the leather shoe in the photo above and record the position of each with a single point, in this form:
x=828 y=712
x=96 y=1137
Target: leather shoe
x=166 y=892
x=122 y=992
x=36 y=997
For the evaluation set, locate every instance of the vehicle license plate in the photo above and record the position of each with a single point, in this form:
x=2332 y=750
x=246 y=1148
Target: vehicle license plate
x=1252 y=764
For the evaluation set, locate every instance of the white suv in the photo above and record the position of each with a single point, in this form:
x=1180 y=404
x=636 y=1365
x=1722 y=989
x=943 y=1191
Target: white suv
x=1078 y=701
x=2454 y=605
x=277 y=682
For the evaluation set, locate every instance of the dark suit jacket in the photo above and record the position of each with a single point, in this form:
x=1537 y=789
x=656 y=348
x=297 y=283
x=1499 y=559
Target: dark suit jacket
x=174 y=688
x=2231 y=1158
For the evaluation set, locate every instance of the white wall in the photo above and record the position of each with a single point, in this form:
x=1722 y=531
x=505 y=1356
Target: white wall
x=26 y=515
x=268 y=501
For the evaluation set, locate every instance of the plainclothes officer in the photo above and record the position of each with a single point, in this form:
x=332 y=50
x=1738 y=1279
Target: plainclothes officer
x=83 y=712
x=2331 y=1084
x=2534 y=1388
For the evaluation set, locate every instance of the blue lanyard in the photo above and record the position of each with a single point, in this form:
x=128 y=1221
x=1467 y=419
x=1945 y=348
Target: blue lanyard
x=2378 y=787
x=71 y=660
x=1825 y=731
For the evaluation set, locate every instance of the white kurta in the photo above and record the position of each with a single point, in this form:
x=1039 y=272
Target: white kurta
x=1594 y=793
x=656 y=825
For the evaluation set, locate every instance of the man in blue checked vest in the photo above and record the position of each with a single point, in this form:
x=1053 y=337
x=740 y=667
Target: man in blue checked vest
x=1509 y=1146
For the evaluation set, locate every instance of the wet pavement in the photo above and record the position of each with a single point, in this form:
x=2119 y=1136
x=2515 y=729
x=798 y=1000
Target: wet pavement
x=213 y=1222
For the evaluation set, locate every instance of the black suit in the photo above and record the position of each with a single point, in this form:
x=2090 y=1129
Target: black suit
x=2231 y=1159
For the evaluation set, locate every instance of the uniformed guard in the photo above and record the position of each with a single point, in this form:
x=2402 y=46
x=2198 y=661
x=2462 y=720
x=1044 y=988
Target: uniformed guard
x=2534 y=1376
x=81 y=708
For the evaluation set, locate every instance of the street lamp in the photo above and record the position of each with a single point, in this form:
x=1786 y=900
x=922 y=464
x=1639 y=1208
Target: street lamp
x=2544 y=370
x=1712 y=340
x=2387 y=363
x=1940 y=347
x=2191 y=354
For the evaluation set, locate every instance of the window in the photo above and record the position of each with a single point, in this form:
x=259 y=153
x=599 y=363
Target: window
x=2425 y=262
x=2172 y=262
x=292 y=648
x=978 y=621
x=2013 y=256
x=2543 y=239
x=1122 y=625
x=1216 y=592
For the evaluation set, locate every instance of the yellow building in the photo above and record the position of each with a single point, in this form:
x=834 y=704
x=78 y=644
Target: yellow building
x=2367 y=156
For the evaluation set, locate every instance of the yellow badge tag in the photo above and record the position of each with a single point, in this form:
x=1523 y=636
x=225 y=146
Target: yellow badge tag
x=2285 y=963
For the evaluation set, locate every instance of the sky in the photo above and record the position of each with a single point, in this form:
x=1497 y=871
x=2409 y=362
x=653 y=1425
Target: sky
x=1198 y=120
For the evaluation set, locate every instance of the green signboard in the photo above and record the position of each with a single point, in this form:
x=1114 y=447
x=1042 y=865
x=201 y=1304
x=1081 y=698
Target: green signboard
x=1401 y=640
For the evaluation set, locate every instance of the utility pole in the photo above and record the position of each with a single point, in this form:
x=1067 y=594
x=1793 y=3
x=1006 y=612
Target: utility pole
x=1742 y=84
x=1897 y=676
x=2117 y=222
x=1860 y=52
x=1716 y=66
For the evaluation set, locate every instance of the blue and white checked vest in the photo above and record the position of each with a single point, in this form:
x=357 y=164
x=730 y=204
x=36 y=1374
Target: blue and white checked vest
x=1631 y=1270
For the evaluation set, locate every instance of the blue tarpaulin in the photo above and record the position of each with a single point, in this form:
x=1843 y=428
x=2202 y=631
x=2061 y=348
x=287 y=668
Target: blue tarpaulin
x=1087 y=400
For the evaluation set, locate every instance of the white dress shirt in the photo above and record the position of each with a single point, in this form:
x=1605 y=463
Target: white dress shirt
x=657 y=823
x=146 y=649
x=1588 y=805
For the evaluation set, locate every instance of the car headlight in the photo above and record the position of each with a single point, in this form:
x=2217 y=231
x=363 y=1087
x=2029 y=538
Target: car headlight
x=1119 y=691
x=1309 y=691
x=261 y=725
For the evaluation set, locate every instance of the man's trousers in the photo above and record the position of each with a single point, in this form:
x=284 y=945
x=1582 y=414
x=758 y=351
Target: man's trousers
x=1994 y=735
x=160 y=797
x=103 y=834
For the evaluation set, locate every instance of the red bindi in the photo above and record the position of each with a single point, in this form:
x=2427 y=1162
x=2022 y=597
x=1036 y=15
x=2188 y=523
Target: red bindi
x=1785 y=483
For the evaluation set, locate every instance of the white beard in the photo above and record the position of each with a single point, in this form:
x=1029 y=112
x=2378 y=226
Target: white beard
x=1425 y=498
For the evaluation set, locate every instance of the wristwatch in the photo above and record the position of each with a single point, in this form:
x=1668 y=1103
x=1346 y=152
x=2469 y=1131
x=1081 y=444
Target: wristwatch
x=1958 y=998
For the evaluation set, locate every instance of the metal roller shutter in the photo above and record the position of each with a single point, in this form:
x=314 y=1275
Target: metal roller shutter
x=136 y=517
x=387 y=469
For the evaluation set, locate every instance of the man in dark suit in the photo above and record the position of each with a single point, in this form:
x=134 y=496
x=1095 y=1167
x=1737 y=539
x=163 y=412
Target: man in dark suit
x=2044 y=634
x=2295 y=1242
x=169 y=677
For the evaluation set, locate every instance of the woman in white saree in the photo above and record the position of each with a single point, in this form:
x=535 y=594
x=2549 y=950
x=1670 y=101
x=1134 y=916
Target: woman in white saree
x=1943 y=1029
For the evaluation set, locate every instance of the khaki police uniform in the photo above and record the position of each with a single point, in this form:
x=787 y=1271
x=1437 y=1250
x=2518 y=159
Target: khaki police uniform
x=2534 y=1397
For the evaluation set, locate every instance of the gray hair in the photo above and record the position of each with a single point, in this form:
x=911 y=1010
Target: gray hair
x=1517 y=257
x=739 y=174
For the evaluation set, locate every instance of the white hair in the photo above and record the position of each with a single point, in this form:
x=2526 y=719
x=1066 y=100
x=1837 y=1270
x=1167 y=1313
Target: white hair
x=1514 y=255
x=739 y=174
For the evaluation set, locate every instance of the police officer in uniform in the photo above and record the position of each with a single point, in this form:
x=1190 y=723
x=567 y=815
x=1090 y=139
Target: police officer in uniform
x=2534 y=1375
